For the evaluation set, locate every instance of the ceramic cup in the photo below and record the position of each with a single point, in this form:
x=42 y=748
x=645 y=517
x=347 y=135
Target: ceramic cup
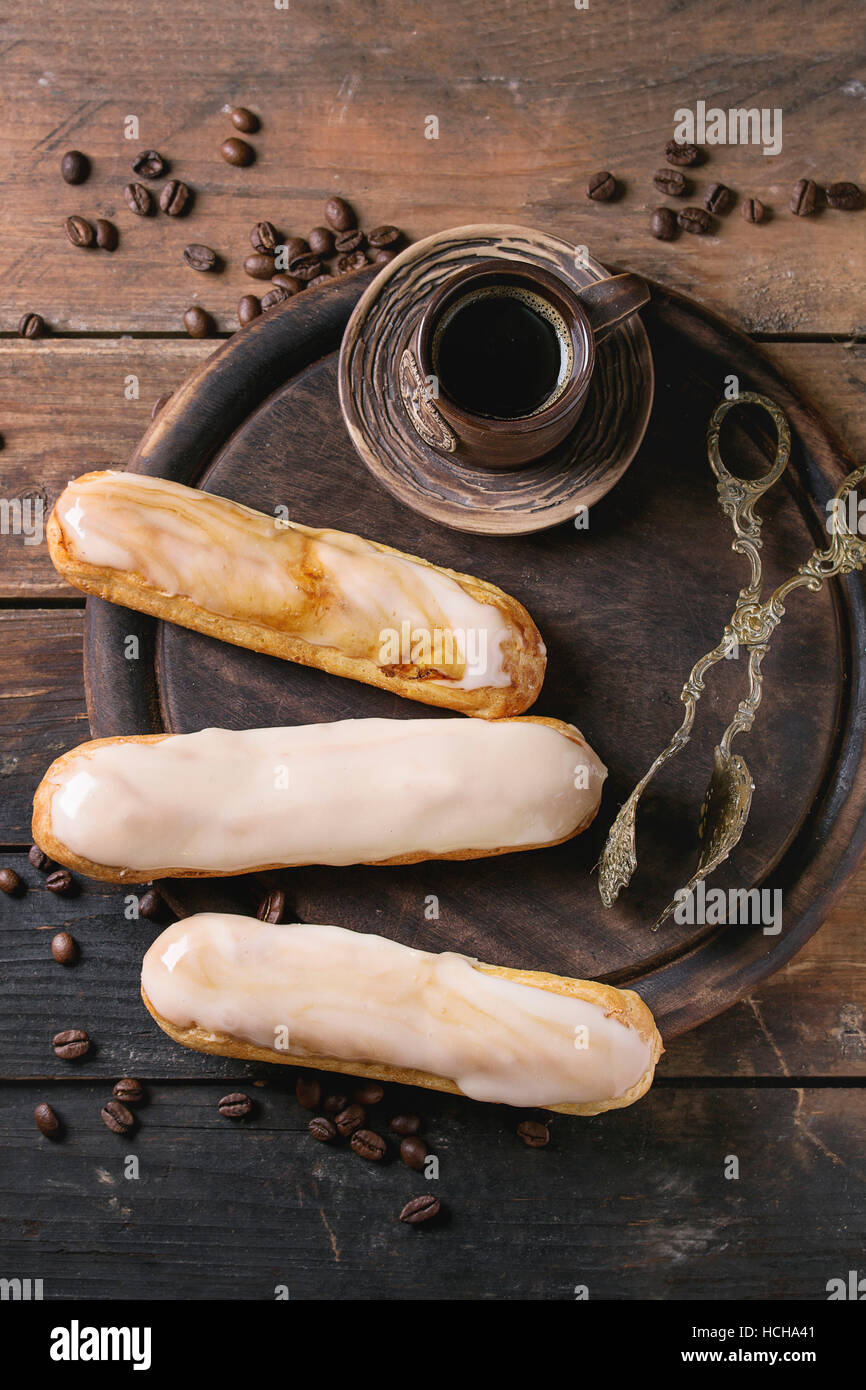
x=499 y=366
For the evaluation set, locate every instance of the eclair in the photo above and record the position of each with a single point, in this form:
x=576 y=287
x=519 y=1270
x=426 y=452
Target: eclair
x=336 y=1000
x=358 y=791
x=323 y=598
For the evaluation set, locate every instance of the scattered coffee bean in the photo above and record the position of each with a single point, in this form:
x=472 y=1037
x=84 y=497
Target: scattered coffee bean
x=116 y=1116
x=406 y=1124
x=339 y=215
x=346 y=242
x=235 y=1106
x=293 y=247
x=157 y=407
x=272 y=907
x=601 y=187
x=671 y=181
x=804 y=198
x=39 y=859
x=150 y=904
x=718 y=198
x=384 y=236
x=382 y=256
x=305 y=266
x=350 y=1119
x=259 y=265
x=684 y=154
x=128 y=1090
x=332 y=1105
x=79 y=231
x=199 y=257
x=64 y=948
x=413 y=1152
x=71 y=1043
x=174 y=198
x=308 y=1090
x=369 y=1094
x=322 y=1129
x=355 y=261
x=74 y=166
x=752 y=209
x=367 y=1144
x=244 y=120
x=534 y=1134
x=138 y=199
x=198 y=322
x=845 y=197
x=321 y=241
x=420 y=1209
x=274 y=297
x=237 y=152
x=696 y=220
x=287 y=281
x=664 y=224
x=31 y=326
x=106 y=234
x=46 y=1120
x=149 y=164
x=59 y=881
x=10 y=882
x=249 y=308
x=320 y=279
x=264 y=237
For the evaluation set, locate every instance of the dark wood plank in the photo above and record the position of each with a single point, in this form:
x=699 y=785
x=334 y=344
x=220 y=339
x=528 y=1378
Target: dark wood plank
x=530 y=99
x=234 y=1210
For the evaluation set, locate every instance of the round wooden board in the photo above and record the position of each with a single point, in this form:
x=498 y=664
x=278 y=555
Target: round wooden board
x=625 y=608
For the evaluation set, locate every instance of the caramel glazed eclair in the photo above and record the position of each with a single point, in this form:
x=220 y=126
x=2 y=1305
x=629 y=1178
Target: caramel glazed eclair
x=323 y=598
x=337 y=1000
x=358 y=791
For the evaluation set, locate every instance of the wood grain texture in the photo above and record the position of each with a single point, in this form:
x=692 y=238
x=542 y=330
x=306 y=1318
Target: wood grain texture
x=530 y=100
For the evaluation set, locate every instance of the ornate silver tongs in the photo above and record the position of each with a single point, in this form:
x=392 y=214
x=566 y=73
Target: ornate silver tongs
x=728 y=797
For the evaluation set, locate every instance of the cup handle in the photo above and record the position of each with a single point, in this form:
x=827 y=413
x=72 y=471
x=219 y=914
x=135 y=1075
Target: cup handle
x=609 y=302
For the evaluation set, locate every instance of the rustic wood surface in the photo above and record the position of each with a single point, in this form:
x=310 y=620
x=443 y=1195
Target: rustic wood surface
x=529 y=100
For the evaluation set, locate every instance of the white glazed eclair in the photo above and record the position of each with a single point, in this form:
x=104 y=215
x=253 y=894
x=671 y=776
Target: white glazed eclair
x=359 y=791
x=337 y=1000
x=323 y=598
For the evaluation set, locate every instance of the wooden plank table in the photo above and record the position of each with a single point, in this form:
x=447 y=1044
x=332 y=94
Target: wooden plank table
x=529 y=99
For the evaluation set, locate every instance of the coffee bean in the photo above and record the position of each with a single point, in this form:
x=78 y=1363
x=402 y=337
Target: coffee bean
x=138 y=199
x=174 y=198
x=367 y=1144
x=384 y=236
x=696 y=220
x=287 y=282
x=369 y=1094
x=31 y=326
x=671 y=181
x=752 y=210
x=128 y=1090
x=420 y=1209
x=198 y=322
x=150 y=904
x=356 y=261
x=320 y=279
x=332 y=1105
x=79 y=231
x=149 y=164
x=601 y=187
x=718 y=198
x=74 y=166
x=244 y=120
x=322 y=1129
x=339 y=215
x=235 y=1106
x=106 y=234
x=845 y=197
x=308 y=1091
x=383 y=256
x=237 y=152
x=39 y=859
x=350 y=1119
x=804 y=198
x=346 y=242
x=264 y=237
x=321 y=241
x=199 y=257
x=272 y=907
x=64 y=948
x=687 y=155
x=664 y=224
x=405 y=1124
x=59 y=881
x=305 y=265
x=534 y=1134
x=10 y=882
x=157 y=407
x=274 y=297
x=46 y=1120
x=249 y=308
x=116 y=1116
x=413 y=1152
x=71 y=1043
x=259 y=265
x=293 y=247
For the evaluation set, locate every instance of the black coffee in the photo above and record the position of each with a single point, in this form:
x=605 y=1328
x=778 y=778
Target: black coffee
x=500 y=352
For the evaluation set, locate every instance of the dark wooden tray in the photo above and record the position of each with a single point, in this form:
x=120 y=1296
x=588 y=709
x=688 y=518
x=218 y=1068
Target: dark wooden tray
x=625 y=608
